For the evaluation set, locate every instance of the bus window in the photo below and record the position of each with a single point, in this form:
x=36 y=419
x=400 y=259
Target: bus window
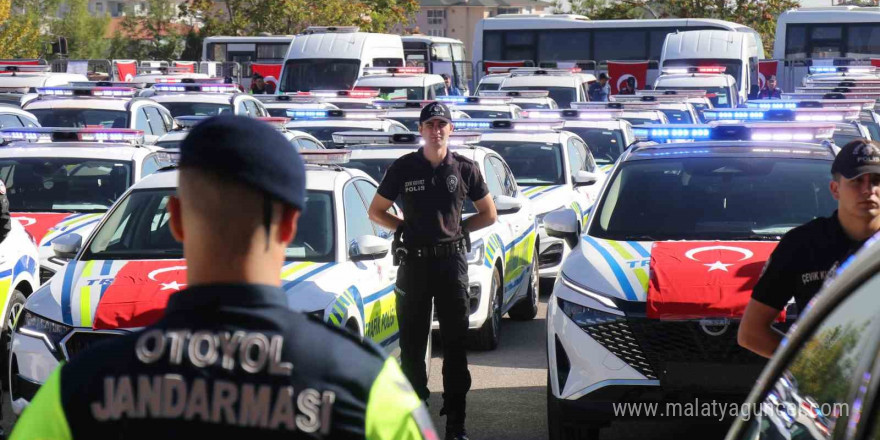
x=216 y=52
x=556 y=46
x=796 y=41
x=863 y=40
x=608 y=45
x=825 y=41
x=275 y=52
x=441 y=52
x=492 y=45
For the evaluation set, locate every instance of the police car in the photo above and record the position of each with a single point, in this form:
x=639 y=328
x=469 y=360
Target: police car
x=676 y=109
x=167 y=75
x=845 y=120
x=278 y=105
x=104 y=107
x=12 y=117
x=207 y=99
x=645 y=307
x=553 y=168
x=408 y=112
x=408 y=83
x=720 y=88
x=833 y=75
x=636 y=113
x=301 y=140
x=345 y=99
x=490 y=82
x=323 y=123
x=502 y=272
x=564 y=85
x=483 y=107
x=339 y=270
x=524 y=99
x=606 y=135
x=20 y=79
x=60 y=181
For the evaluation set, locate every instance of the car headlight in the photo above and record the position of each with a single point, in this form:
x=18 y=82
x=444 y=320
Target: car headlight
x=475 y=256
x=36 y=326
x=602 y=299
x=585 y=316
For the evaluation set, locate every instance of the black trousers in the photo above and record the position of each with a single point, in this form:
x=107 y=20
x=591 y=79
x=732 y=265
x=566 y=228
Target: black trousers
x=445 y=280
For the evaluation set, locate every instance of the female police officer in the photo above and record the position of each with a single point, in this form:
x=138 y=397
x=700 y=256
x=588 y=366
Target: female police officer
x=433 y=183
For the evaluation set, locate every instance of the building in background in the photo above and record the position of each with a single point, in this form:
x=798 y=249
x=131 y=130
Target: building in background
x=118 y=8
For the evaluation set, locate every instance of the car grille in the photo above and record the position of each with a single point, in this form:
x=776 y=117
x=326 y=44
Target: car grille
x=81 y=340
x=648 y=345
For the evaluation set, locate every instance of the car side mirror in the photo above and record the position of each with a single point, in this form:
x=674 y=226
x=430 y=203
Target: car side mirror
x=584 y=178
x=507 y=205
x=369 y=247
x=562 y=224
x=67 y=246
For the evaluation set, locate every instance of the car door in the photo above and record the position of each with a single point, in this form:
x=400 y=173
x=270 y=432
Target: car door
x=819 y=391
x=157 y=123
x=580 y=159
x=504 y=228
x=142 y=122
x=520 y=253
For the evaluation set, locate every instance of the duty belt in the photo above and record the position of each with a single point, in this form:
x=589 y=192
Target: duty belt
x=439 y=250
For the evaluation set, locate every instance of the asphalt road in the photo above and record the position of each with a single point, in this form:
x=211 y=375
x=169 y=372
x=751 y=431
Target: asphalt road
x=508 y=394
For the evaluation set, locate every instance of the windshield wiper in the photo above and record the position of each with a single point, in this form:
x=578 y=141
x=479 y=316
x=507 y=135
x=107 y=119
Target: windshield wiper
x=639 y=238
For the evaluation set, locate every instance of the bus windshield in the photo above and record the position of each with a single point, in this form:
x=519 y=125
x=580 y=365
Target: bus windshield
x=304 y=75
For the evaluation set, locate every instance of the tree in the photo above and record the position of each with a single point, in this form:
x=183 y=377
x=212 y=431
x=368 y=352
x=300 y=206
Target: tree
x=825 y=364
x=154 y=35
x=85 y=33
x=19 y=33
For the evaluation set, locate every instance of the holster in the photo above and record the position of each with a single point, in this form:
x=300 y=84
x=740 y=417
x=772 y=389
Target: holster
x=398 y=251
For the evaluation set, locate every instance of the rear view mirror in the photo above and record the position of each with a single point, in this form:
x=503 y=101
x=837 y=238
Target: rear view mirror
x=67 y=246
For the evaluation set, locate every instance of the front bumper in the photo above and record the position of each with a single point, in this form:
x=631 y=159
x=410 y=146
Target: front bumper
x=551 y=253
x=479 y=284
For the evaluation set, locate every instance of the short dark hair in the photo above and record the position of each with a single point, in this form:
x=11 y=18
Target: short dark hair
x=444 y=76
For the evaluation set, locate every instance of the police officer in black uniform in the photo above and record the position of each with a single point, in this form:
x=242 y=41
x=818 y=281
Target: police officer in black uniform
x=433 y=183
x=229 y=359
x=799 y=264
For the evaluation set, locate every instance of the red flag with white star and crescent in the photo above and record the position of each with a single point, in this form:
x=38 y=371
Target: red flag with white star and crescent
x=139 y=293
x=694 y=280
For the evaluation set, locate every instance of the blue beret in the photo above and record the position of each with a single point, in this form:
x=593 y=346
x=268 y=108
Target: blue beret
x=249 y=151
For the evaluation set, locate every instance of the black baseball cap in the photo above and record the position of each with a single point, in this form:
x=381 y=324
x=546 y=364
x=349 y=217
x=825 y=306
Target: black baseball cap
x=856 y=158
x=435 y=110
x=249 y=151
x=603 y=76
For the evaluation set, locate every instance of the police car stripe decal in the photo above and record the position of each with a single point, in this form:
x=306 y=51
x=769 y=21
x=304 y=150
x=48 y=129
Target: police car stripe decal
x=620 y=250
x=379 y=294
x=615 y=268
x=540 y=193
x=105 y=270
x=48 y=242
x=70 y=224
x=391 y=339
x=520 y=238
x=65 y=292
x=533 y=189
x=639 y=248
x=295 y=267
x=293 y=283
x=85 y=297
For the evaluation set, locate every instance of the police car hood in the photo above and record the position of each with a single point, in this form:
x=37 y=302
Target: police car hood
x=546 y=198
x=125 y=294
x=674 y=279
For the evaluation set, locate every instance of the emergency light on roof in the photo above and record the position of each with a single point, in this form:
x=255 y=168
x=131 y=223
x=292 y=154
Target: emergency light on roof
x=775 y=104
x=833 y=95
x=300 y=114
x=384 y=138
x=197 y=88
x=689 y=93
x=393 y=70
x=187 y=122
x=106 y=92
x=401 y=104
x=592 y=114
x=289 y=98
x=695 y=69
x=325 y=157
x=628 y=105
x=357 y=93
x=507 y=124
x=798 y=114
x=56 y=134
x=274 y=121
x=840 y=81
x=791 y=131
x=814 y=88
x=649 y=98
x=523 y=71
x=473 y=100
x=846 y=69
x=25 y=68
x=120 y=84
x=515 y=93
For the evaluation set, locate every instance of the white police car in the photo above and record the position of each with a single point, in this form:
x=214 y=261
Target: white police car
x=553 y=168
x=408 y=112
x=645 y=307
x=867 y=116
x=61 y=181
x=339 y=269
x=483 y=107
x=322 y=123
x=490 y=82
x=720 y=88
x=20 y=79
x=207 y=99
x=14 y=117
x=301 y=140
x=167 y=75
x=358 y=99
x=564 y=85
x=501 y=263
x=676 y=108
x=103 y=107
x=278 y=105
x=524 y=99
x=406 y=83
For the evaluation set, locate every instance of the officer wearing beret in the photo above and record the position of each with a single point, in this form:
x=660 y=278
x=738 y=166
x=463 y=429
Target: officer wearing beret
x=433 y=183
x=229 y=359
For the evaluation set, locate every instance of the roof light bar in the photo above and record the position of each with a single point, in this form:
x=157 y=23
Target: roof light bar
x=474 y=100
x=842 y=81
x=26 y=68
x=57 y=134
x=690 y=93
x=763 y=131
x=401 y=104
x=111 y=135
x=300 y=114
x=274 y=121
x=791 y=131
x=670 y=132
x=357 y=93
x=187 y=122
x=790 y=104
x=393 y=70
x=195 y=88
x=649 y=98
x=507 y=124
x=796 y=114
x=591 y=114
x=411 y=139
x=694 y=69
x=325 y=157
x=118 y=84
x=617 y=105
x=294 y=98
x=106 y=92
x=515 y=93
x=846 y=69
x=825 y=95
x=835 y=89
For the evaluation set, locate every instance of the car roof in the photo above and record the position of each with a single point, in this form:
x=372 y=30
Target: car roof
x=694 y=80
x=402 y=80
x=8 y=109
x=552 y=137
x=604 y=125
x=85 y=150
x=119 y=104
x=210 y=98
x=22 y=80
x=318 y=178
x=541 y=80
x=362 y=123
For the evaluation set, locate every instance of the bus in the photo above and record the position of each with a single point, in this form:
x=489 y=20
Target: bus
x=806 y=35
x=540 y=39
x=266 y=52
x=440 y=55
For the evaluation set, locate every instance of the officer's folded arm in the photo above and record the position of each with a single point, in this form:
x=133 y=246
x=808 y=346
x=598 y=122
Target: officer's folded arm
x=486 y=215
x=379 y=214
x=755 y=330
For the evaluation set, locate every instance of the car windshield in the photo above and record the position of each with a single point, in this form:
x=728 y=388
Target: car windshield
x=678 y=116
x=531 y=105
x=606 y=145
x=50 y=184
x=846 y=133
x=641 y=121
x=720 y=96
x=81 y=117
x=563 y=96
x=169 y=144
x=410 y=122
x=400 y=93
x=196 y=108
x=277 y=112
x=488 y=86
x=487 y=114
x=304 y=75
x=713 y=198
x=533 y=163
x=138 y=229
x=325 y=133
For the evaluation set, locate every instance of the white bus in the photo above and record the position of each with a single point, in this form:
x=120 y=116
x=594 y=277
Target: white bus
x=545 y=38
x=258 y=49
x=439 y=55
x=809 y=34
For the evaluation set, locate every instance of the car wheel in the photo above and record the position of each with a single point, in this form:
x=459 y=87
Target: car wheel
x=527 y=308
x=489 y=335
x=16 y=305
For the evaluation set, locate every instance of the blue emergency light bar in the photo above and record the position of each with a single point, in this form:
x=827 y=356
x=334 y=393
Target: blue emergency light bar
x=791 y=104
x=385 y=138
x=306 y=113
x=507 y=124
x=842 y=69
x=592 y=114
x=56 y=134
x=401 y=104
x=101 y=92
x=797 y=114
x=473 y=100
x=195 y=87
x=514 y=94
x=325 y=157
x=762 y=131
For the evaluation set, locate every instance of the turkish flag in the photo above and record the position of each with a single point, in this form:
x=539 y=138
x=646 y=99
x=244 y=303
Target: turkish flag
x=766 y=69
x=875 y=62
x=620 y=73
x=126 y=70
x=38 y=223
x=267 y=69
x=19 y=63
x=693 y=280
x=189 y=65
x=139 y=293
x=504 y=64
